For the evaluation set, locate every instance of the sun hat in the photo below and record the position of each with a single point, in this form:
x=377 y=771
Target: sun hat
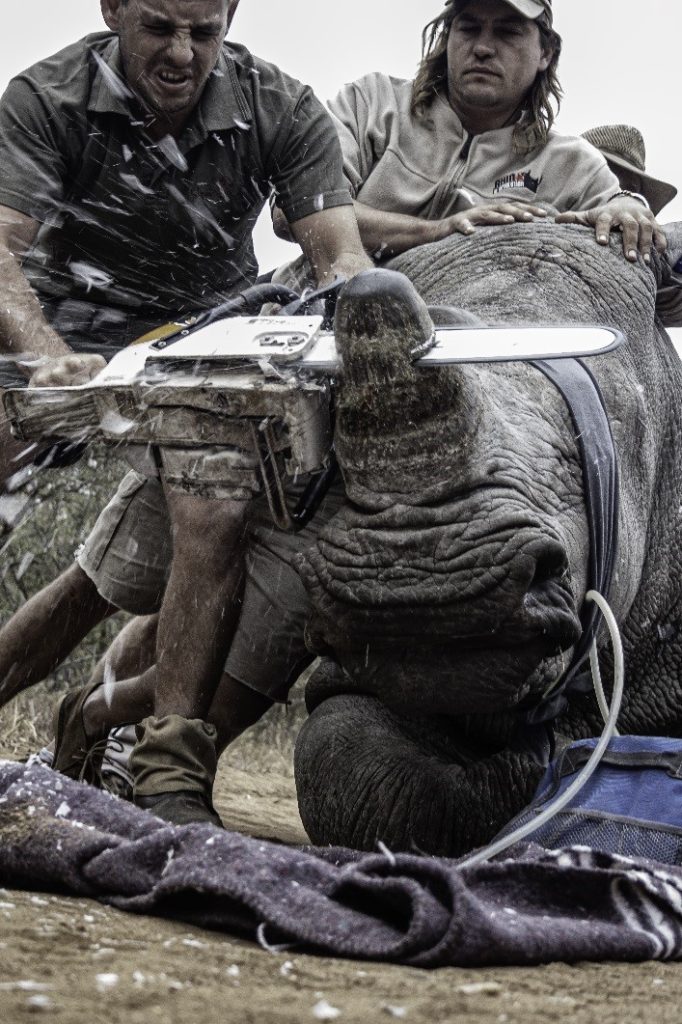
x=623 y=146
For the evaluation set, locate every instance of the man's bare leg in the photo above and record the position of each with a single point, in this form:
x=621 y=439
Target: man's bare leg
x=119 y=702
x=200 y=607
x=175 y=758
x=235 y=708
x=125 y=665
x=47 y=628
x=130 y=653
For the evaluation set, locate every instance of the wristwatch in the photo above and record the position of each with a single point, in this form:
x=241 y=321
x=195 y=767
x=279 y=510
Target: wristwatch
x=632 y=195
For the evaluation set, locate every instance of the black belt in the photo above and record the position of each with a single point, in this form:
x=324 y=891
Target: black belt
x=599 y=461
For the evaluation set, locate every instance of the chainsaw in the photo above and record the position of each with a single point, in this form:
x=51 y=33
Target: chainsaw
x=260 y=383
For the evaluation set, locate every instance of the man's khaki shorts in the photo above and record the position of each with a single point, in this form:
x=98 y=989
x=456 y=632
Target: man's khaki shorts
x=128 y=556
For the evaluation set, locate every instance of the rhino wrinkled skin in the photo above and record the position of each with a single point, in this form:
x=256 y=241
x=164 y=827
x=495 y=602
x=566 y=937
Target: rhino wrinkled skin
x=448 y=590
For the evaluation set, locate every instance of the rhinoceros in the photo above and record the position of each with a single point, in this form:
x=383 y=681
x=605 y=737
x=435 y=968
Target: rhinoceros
x=447 y=592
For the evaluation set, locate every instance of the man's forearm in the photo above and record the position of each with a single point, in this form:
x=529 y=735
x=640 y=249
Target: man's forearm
x=23 y=327
x=345 y=265
x=331 y=243
x=387 y=234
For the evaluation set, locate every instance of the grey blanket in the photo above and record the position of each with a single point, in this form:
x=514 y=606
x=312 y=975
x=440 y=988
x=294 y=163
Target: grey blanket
x=533 y=907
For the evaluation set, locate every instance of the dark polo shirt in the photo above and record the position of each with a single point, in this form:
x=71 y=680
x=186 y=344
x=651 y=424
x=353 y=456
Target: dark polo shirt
x=133 y=232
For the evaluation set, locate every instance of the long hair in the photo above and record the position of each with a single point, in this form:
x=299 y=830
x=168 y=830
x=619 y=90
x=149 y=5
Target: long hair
x=432 y=77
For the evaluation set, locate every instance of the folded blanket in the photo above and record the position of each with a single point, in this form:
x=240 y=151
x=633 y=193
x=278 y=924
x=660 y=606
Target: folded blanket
x=532 y=907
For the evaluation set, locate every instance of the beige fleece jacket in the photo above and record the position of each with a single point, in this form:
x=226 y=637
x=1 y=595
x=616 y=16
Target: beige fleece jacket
x=432 y=168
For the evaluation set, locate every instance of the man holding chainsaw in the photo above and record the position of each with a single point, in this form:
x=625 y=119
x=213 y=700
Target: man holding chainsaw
x=134 y=166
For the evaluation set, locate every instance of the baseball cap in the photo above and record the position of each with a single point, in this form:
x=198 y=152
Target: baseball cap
x=532 y=9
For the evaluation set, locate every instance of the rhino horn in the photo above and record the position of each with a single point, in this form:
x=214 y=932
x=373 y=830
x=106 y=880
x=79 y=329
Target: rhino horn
x=390 y=411
x=382 y=325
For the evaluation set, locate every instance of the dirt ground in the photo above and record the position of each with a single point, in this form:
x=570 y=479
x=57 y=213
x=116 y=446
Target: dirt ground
x=78 y=962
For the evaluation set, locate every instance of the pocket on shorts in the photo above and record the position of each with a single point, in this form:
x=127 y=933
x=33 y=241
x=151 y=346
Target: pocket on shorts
x=109 y=521
x=129 y=552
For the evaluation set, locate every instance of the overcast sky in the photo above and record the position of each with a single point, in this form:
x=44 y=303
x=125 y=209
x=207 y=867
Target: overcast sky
x=621 y=60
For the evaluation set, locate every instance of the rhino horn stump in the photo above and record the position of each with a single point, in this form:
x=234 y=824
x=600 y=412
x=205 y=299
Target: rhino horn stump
x=395 y=420
x=382 y=325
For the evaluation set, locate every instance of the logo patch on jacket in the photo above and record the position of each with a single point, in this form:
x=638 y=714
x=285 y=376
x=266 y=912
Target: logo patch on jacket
x=519 y=179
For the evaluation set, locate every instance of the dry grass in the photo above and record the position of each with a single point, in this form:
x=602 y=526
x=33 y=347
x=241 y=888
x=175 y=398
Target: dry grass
x=24 y=725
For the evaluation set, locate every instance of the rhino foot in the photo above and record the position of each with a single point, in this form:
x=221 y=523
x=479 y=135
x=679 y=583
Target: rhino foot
x=362 y=778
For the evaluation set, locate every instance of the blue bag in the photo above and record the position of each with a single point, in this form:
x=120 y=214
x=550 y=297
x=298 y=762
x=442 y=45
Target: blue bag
x=632 y=805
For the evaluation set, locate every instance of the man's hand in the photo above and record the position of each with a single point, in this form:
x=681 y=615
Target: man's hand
x=466 y=222
x=637 y=224
x=67 y=371
x=386 y=234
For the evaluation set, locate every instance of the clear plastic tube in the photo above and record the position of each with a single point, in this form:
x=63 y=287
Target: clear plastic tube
x=598 y=687
x=500 y=845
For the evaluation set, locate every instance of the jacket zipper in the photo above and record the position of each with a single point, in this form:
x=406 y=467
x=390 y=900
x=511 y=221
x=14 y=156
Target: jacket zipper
x=462 y=162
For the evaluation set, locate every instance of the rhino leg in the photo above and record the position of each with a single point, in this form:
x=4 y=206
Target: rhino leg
x=363 y=777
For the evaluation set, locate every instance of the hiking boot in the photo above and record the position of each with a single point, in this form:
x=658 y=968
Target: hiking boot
x=44 y=757
x=183 y=807
x=115 y=776
x=173 y=764
x=76 y=754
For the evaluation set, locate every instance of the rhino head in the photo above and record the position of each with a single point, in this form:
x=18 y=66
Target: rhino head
x=447 y=592
x=447 y=582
